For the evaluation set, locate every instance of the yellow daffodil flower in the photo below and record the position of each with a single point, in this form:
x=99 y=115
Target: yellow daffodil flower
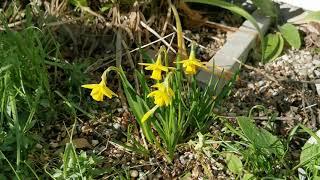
x=192 y=63
x=99 y=90
x=162 y=97
x=156 y=68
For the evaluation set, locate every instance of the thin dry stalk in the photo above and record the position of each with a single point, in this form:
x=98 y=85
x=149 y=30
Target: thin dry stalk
x=131 y=62
x=157 y=35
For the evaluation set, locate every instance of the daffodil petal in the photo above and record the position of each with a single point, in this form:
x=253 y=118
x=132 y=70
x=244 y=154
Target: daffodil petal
x=107 y=92
x=164 y=68
x=198 y=63
x=145 y=64
x=90 y=86
x=151 y=94
x=150 y=67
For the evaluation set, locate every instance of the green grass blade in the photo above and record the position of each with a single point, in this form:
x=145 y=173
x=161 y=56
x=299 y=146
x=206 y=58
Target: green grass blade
x=15 y=172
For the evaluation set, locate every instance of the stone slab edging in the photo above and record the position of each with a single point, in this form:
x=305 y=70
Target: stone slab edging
x=237 y=47
x=240 y=43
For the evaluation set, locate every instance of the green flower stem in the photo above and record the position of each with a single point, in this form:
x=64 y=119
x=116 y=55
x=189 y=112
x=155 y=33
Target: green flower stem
x=135 y=107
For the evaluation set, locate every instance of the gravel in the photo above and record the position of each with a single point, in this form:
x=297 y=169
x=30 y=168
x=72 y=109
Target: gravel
x=286 y=87
x=296 y=65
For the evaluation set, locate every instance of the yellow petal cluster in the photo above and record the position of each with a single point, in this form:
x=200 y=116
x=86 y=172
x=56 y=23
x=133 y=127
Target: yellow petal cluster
x=163 y=95
x=156 y=68
x=99 y=90
x=192 y=64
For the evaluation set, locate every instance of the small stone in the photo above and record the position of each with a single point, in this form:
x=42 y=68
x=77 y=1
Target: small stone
x=54 y=144
x=120 y=110
x=251 y=86
x=39 y=146
x=274 y=93
x=116 y=125
x=94 y=142
x=81 y=143
x=285 y=57
x=308 y=58
x=317 y=73
x=318 y=88
x=263 y=89
x=134 y=173
x=86 y=129
x=260 y=83
x=316 y=62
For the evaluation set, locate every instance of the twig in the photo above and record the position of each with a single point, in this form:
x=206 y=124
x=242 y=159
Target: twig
x=188 y=39
x=166 y=22
x=317 y=81
x=131 y=64
x=310 y=106
x=157 y=35
x=264 y=118
x=171 y=41
x=221 y=26
x=91 y=68
x=11 y=25
x=58 y=23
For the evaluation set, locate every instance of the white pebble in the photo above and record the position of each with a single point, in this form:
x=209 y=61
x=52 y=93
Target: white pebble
x=116 y=125
x=134 y=173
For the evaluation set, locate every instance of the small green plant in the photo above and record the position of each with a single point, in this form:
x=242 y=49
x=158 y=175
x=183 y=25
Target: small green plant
x=260 y=154
x=308 y=166
x=286 y=32
x=79 y=165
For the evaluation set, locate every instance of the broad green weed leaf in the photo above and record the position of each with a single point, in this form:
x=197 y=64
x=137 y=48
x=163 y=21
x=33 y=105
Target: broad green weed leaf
x=291 y=35
x=308 y=151
x=260 y=138
x=248 y=176
x=267 y=7
x=234 y=163
x=106 y=7
x=273 y=47
x=280 y=46
x=272 y=42
x=79 y=3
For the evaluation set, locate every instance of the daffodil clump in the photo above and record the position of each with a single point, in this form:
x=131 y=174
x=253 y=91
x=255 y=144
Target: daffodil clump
x=170 y=105
x=160 y=106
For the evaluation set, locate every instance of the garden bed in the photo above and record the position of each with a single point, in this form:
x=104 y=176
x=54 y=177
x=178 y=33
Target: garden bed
x=50 y=124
